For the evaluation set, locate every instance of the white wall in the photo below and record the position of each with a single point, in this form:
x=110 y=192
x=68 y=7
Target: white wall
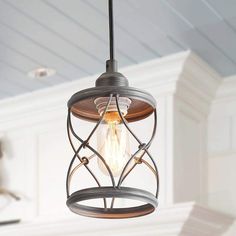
x=222 y=149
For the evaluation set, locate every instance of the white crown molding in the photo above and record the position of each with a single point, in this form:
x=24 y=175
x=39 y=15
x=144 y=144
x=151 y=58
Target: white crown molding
x=227 y=90
x=183 y=73
x=179 y=219
x=137 y=74
x=197 y=83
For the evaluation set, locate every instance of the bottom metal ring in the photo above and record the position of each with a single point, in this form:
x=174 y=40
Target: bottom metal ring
x=110 y=192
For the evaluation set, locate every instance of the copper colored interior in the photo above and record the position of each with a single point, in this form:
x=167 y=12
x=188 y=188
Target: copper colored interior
x=120 y=213
x=86 y=109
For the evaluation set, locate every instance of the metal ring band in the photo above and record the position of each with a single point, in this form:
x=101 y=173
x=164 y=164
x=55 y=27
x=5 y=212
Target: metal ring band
x=110 y=192
x=82 y=103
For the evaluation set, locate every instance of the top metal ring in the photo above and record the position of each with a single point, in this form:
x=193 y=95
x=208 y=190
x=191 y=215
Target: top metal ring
x=82 y=103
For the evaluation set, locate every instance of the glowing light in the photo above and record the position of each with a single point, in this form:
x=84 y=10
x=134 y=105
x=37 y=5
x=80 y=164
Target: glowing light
x=113 y=143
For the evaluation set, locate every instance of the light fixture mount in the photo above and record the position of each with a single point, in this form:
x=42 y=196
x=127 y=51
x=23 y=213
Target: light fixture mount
x=111 y=77
x=112 y=104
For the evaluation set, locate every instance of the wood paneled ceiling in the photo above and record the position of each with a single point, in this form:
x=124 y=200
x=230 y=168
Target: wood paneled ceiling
x=71 y=36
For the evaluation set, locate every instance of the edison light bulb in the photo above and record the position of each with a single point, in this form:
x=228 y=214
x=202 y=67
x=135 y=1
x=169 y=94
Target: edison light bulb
x=113 y=137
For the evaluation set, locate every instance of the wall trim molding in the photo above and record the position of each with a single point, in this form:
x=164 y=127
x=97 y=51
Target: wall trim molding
x=179 y=219
x=171 y=74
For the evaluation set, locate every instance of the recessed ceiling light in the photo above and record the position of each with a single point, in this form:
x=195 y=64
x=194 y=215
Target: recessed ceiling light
x=41 y=72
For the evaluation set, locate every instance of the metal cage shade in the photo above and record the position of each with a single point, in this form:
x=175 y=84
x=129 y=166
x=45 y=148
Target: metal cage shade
x=115 y=190
x=82 y=103
x=111 y=102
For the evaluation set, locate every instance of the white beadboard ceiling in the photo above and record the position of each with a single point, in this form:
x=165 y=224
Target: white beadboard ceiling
x=71 y=36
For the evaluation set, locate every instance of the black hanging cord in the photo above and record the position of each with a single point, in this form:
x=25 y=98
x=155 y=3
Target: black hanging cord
x=111 y=30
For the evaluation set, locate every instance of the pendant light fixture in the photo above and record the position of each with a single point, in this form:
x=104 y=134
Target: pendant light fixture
x=111 y=105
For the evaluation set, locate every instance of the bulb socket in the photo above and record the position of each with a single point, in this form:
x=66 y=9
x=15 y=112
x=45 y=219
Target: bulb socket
x=101 y=104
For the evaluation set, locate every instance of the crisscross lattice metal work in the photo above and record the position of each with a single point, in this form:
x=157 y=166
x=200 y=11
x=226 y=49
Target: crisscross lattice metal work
x=77 y=106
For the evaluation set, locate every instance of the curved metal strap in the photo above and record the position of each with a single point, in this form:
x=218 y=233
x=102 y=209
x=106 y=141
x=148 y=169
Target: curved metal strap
x=72 y=161
x=78 y=166
x=141 y=147
x=74 y=149
x=86 y=144
x=155 y=167
x=69 y=127
x=127 y=126
x=154 y=129
x=69 y=169
x=125 y=167
x=99 y=122
x=150 y=167
x=127 y=173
